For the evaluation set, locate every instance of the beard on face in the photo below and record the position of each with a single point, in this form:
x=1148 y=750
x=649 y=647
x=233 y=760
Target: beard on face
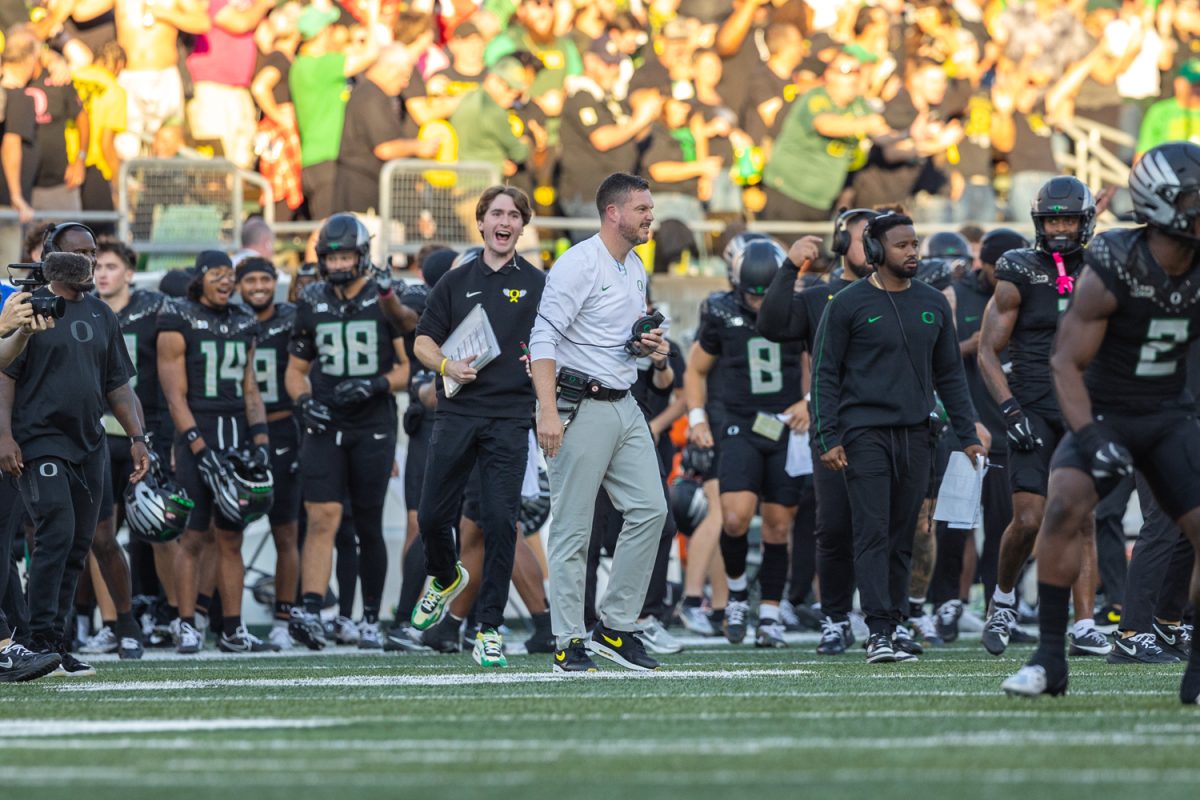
x=630 y=232
x=70 y=269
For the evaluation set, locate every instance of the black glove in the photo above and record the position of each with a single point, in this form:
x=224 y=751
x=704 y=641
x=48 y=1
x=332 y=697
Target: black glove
x=261 y=456
x=1020 y=431
x=353 y=391
x=316 y=416
x=1110 y=462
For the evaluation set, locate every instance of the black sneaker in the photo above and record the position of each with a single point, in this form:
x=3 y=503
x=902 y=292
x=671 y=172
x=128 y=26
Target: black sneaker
x=832 y=643
x=621 y=647
x=541 y=643
x=1108 y=619
x=879 y=649
x=1141 y=648
x=1018 y=636
x=736 y=614
x=404 y=639
x=573 y=658
x=307 y=629
x=948 y=615
x=18 y=663
x=1174 y=639
x=444 y=637
x=903 y=644
x=131 y=649
x=242 y=641
x=72 y=667
x=997 y=631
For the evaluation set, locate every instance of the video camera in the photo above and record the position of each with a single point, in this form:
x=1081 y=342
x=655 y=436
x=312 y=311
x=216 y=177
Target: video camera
x=34 y=279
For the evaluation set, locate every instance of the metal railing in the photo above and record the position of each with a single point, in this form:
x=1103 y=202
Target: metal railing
x=428 y=201
x=1093 y=160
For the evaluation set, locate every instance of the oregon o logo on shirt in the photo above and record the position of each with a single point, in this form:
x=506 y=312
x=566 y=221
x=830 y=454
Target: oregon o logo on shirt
x=927 y=317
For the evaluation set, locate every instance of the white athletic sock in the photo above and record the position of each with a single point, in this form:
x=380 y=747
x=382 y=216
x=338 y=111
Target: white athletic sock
x=1083 y=626
x=1004 y=598
x=737 y=584
x=768 y=613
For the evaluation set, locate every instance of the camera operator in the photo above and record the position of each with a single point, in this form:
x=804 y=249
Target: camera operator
x=593 y=298
x=51 y=439
x=884 y=345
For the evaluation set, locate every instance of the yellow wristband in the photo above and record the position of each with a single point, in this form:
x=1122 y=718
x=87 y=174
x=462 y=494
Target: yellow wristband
x=442 y=368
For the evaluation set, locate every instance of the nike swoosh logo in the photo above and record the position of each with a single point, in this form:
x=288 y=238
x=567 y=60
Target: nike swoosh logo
x=971 y=319
x=6 y=663
x=379 y=437
x=605 y=288
x=1168 y=639
x=281 y=450
x=560 y=656
x=875 y=319
x=617 y=642
x=472 y=294
x=1129 y=650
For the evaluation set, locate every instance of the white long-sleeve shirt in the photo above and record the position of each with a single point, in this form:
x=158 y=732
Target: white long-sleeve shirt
x=591 y=299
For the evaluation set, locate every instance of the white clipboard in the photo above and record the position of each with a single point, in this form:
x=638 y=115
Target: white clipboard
x=474 y=335
x=960 y=493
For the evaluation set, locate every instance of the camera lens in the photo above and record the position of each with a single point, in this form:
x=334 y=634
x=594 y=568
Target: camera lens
x=49 y=306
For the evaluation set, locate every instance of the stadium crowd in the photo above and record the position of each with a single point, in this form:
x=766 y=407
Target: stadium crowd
x=782 y=109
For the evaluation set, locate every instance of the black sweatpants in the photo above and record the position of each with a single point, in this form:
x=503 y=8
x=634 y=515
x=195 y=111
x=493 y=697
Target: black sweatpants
x=1110 y=541
x=501 y=446
x=804 y=544
x=63 y=500
x=834 y=541
x=1160 y=571
x=886 y=480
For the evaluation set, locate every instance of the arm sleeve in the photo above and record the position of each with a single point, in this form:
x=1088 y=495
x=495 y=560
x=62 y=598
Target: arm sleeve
x=782 y=317
x=951 y=382
x=828 y=352
x=435 y=320
x=303 y=343
x=566 y=289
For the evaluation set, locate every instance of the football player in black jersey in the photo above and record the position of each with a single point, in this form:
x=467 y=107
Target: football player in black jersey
x=791 y=315
x=1119 y=368
x=137 y=312
x=346 y=359
x=206 y=365
x=761 y=382
x=1033 y=288
x=256 y=281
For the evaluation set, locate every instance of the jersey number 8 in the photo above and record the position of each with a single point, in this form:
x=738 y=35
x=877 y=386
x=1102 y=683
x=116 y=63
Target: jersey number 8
x=348 y=348
x=765 y=362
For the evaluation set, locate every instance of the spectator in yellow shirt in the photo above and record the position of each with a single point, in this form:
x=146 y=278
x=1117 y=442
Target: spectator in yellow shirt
x=104 y=100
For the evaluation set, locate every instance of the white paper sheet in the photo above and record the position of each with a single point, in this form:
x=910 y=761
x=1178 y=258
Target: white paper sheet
x=529 y=485
x=958 y=497
x=799 y=455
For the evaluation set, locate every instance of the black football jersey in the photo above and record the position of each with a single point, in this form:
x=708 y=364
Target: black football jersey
x=346 y=339
x=271 y=356
x=971 y=296
x=139 y=327
x=755 y=373
x=218 y=343
x=1035 y=276
x=1141 y=365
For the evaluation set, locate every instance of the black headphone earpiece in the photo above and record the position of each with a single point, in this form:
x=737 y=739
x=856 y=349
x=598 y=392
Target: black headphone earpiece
x=872 y=245
x=841 y=228
x=49 y=241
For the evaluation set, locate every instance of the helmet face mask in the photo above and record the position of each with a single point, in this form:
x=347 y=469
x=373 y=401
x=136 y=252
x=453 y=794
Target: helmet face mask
x=1063 y=196
x=156 y=510
x=254 y=486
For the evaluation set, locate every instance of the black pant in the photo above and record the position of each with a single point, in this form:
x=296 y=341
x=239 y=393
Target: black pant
x=886 y=480
x=1110 y=540
x=804 y=552
x=835 y=541
x=64 y=501
x=997 y=513
x=502 y=447
x=1160 y=570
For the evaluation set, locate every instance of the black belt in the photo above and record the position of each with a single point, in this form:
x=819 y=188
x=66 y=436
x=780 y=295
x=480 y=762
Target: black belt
x=597 y=392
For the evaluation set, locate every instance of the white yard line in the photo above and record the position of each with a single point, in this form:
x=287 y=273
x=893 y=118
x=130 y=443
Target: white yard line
x=23 y=728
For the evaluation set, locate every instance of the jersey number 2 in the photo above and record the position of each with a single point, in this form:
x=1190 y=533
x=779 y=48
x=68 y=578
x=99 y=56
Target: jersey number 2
x=765 y=361
x=350 y=348
x=1162 y=337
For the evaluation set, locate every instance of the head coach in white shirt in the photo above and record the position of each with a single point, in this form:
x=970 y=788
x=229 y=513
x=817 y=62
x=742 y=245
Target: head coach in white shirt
x=594 y=295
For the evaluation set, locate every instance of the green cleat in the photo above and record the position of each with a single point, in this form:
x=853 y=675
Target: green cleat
x=436 y=599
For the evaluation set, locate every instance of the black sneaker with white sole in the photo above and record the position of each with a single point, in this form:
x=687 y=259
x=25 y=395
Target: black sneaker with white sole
x=573 y=659
x=948 y=615
x=833 y=641
x=737 y=613
x=1089 y=643
x=72 y=667
x=404 y=639
x=130 y=649
x=1141 y=648
x=621 y=647
x=307 y=629
x=880 y=650
x=445 y=636
x=242 y=641
x=18 y=663
x=1174 y=639
x=998 y=629
x=903 y=644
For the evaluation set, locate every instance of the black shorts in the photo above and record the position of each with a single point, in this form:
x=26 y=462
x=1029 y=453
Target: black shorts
x=753 y=463
x=1030 y=472
x=353 y=465
x=414 y=462
x=220 y=434
x=1165 y=447
x=285 y=470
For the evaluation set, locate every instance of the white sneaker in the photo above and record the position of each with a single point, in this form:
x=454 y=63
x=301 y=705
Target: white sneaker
x=202 y=622
x=369 y=637
x=279 y=637
x=656 y=638
x=105 y=641
x=189 y=640
x=696 y=621
x=345 y=631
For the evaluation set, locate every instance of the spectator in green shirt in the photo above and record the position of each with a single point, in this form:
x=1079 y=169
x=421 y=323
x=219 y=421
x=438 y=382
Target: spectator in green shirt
x=1176 y=118
x=817 y=143
x=532 y=29
x=482 y=118
x=319 y=92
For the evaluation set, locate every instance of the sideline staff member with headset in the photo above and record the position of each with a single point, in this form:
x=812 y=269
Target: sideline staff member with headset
x=594 y=296
x=885 y=344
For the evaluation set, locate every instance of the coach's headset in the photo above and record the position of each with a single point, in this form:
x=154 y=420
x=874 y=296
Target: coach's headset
x=50 y=239
x=841 y=228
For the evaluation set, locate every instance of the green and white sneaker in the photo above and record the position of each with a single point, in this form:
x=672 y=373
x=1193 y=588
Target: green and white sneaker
x=489 y=649
x=436 y=599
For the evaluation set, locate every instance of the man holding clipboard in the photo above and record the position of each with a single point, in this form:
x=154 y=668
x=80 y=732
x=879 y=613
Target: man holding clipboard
x=482 y=313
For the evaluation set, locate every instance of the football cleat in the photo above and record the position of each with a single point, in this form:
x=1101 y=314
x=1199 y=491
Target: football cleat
x=279 y=637
x=189 y=641
x=1031 y=681
x=130 y=649
x=948 y=615
x=926 y=629
x=998 y=629
x=736 y=612
x=1108 y=619
x=833 y=640
x=1089 y=643
x=345 y=631
x=242 y=641
x=1141 y=648
x=436 y=599
x=769 y=634
x=307 y=629
x=621 y=647
x=103 y=642
x=904 y=645
x=696 y=621
x=369 y=636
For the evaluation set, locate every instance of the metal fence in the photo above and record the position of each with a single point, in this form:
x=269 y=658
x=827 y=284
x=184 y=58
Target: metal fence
x=428 y=201
x=172 y=208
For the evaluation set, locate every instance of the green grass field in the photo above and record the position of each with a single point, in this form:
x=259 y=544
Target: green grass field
x=721 y=722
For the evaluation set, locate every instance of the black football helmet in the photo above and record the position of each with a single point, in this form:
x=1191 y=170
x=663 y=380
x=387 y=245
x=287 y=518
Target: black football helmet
x=689 y=506
x=756 y=265
x=341 y=233
x=535 y=510
x=1165 y=183
x=156 y=508
x=253 y=484
x=736 y=248
x=1063 y=196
